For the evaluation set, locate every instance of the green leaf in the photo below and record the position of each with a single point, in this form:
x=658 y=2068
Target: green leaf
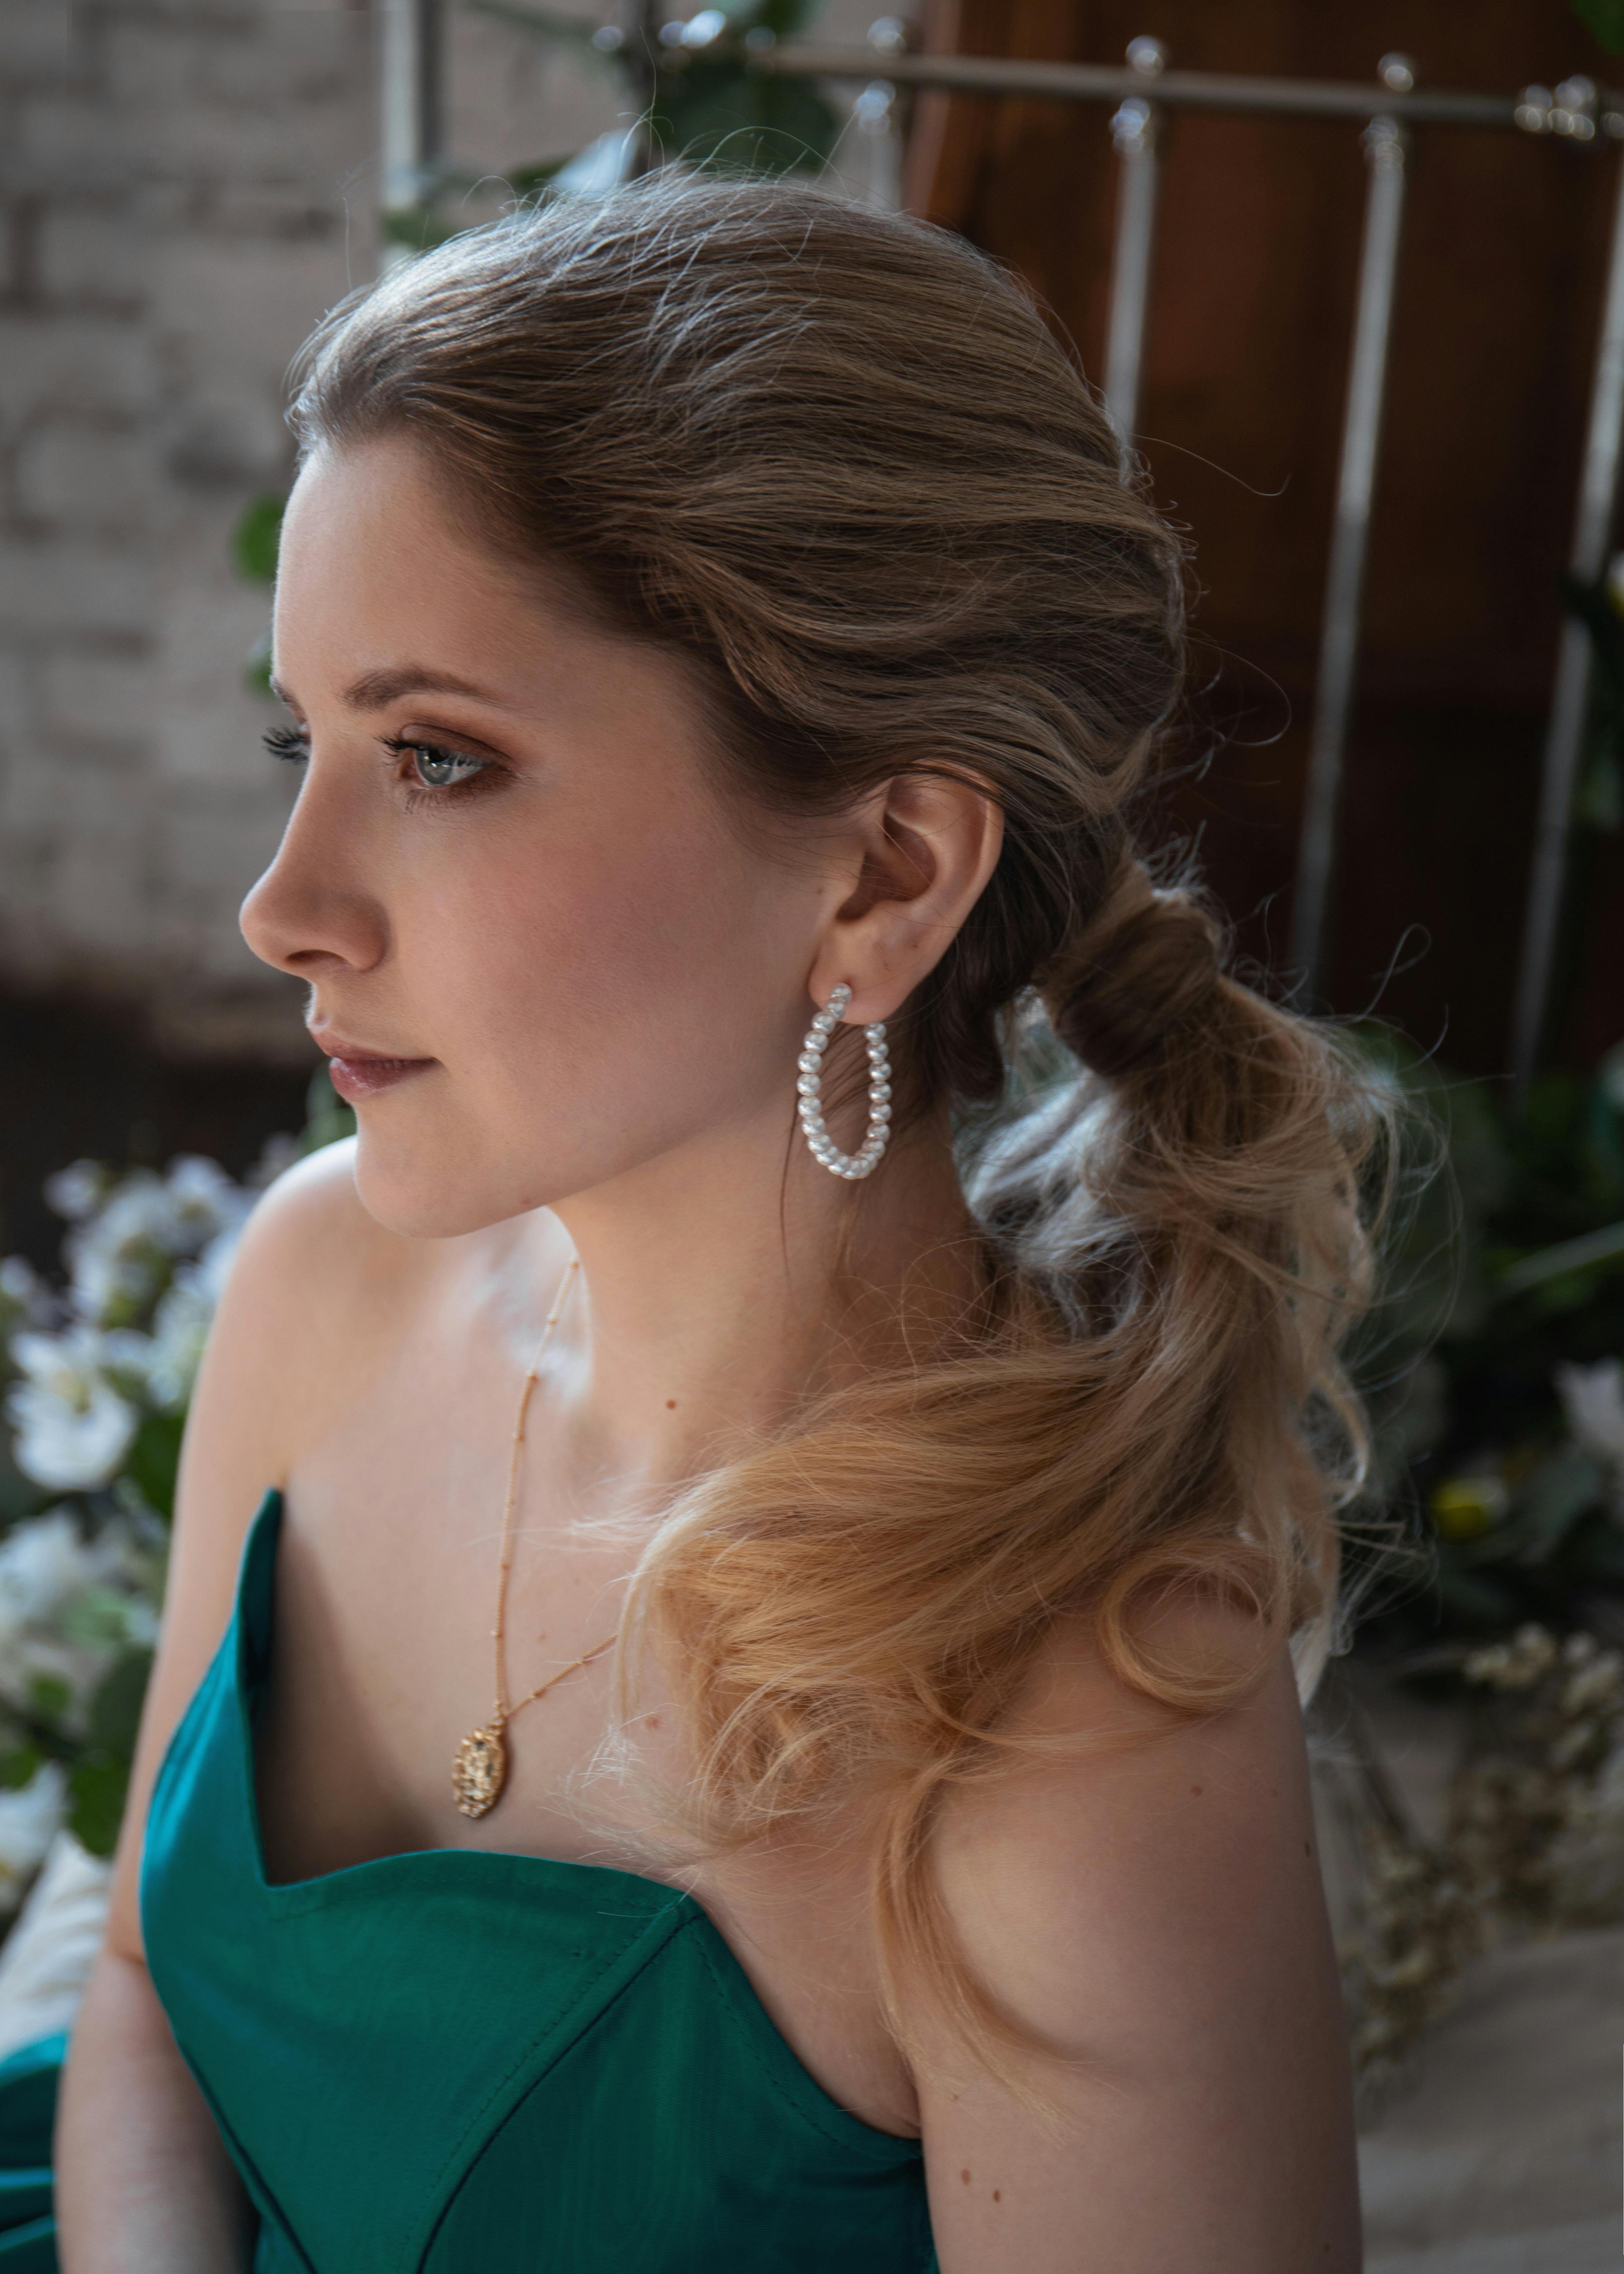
x=415 y=228
x=1479 y=1600
x=726 y=118
x=97 y=1787
x=49 y=1697
x=115 y=1709
x=257 y=670
x=1605 y=19
x=153 y=1460
x=783 y=17
x=1599 y=802
x=18 y=1767
x=1566 y=1484
x=94 y=1618
x=327 y=1119
x=255 y=539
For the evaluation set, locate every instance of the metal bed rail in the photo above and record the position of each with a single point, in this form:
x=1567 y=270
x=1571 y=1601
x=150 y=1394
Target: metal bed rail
x=1142 y=90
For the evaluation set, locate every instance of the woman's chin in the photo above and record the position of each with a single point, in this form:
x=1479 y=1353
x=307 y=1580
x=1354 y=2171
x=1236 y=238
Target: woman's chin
x=404 y=1189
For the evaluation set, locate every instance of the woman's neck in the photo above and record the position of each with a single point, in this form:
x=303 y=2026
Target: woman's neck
x=717 y=1289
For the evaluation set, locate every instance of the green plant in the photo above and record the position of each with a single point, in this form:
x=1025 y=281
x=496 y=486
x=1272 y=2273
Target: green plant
x=255 y=541
x=695 y=91
x=1496 y=1361
x=1605 y=21
x=100 y=1363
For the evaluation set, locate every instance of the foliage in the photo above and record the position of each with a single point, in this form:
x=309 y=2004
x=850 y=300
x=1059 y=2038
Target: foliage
x=98 y=1366
x=1533 y=1840
x=1598 y=806
x=1605 y=21
x=255 y=542
x=255 y=539
x=703 y=103
x=1497 y=1359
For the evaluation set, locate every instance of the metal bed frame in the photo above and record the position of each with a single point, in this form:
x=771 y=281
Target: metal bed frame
x=1142 y=92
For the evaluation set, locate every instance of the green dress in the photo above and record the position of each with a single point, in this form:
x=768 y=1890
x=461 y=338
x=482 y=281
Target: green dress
x=457 y=2062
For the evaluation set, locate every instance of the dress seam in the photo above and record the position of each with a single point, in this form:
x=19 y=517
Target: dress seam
x=798 y=2097
x=418 y=2252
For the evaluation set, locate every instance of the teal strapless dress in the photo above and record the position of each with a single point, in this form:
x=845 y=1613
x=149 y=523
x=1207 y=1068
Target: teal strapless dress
x=456 y=2062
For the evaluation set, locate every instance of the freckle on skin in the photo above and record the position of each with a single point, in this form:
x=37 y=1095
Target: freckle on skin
x=965 y=2176
x=1196 y=1790
x=997 y=2195
x=670 y=1405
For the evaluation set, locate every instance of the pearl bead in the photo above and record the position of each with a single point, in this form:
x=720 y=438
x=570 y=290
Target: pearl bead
x=851 y=1167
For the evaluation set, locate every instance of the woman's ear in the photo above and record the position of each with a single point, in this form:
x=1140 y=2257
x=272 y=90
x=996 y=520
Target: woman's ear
x=929 y=842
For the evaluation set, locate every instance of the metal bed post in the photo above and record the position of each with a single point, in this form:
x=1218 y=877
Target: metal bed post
x=1338 y=636
x=410 y=67
x=1135 y=129
x=1570 y=695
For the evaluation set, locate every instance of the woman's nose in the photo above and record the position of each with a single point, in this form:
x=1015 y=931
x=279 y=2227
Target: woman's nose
x=313 y=907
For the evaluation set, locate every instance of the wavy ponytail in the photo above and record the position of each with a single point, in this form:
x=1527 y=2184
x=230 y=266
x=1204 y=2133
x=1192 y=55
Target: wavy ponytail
x=838 y=461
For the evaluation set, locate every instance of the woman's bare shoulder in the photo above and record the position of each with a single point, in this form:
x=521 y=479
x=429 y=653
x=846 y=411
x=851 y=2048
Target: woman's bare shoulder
x=1146 y=1902
x=315 y=1288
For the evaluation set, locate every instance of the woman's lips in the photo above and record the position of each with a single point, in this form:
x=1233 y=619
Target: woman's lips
x=358 y=1074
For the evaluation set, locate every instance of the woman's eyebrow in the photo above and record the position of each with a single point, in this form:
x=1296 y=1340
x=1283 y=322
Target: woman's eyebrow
x=375 y=690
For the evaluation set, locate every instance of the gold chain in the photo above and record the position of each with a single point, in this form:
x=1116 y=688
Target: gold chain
x=505 y=1712
x=481 y=1766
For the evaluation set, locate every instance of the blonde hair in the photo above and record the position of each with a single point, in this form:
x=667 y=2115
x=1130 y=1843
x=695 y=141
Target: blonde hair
x=838 y=459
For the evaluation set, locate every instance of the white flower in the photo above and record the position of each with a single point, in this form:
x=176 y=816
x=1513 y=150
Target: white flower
x=123 y=1255
x=68 y=1604
x=78 y=1191
x=25 y=1299
x=180 y=1330
x=73 y=1429
x=204 y=1201
x=45 y=1561
x=29 y=1821
x=119 y=1257
x=1593 y=1400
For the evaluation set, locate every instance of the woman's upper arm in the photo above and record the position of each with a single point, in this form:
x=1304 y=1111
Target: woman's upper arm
x=1154 y=1912
x=266 y=1369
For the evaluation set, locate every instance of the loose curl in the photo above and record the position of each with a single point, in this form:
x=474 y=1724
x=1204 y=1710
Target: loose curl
x=837 y=460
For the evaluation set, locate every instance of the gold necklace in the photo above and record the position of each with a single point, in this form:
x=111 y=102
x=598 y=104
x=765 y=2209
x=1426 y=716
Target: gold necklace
x=480 y=1769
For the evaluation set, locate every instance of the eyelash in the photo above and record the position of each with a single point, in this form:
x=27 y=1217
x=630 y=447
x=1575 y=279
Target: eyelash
x=292 y=744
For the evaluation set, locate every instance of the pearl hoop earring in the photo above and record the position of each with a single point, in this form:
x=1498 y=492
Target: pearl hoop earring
x=810 y=1083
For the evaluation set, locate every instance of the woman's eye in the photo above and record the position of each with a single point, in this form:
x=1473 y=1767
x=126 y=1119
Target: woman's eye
x=441 y=769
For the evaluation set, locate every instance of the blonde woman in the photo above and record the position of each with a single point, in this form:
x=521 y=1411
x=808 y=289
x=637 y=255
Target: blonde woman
x=754 y=1725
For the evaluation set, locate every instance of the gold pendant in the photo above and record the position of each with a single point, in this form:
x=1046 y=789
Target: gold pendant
x=479 y=1771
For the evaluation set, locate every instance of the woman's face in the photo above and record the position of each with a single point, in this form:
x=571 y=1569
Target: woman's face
x=512 y=867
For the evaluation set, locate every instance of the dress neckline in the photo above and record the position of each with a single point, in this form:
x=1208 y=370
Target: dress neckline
x=268 y=1518
x=625 y=1890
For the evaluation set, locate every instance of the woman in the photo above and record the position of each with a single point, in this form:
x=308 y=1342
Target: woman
x=713 y=621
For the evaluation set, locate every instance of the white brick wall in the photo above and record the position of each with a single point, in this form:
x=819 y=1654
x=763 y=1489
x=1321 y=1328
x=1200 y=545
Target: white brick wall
x=184 y=186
